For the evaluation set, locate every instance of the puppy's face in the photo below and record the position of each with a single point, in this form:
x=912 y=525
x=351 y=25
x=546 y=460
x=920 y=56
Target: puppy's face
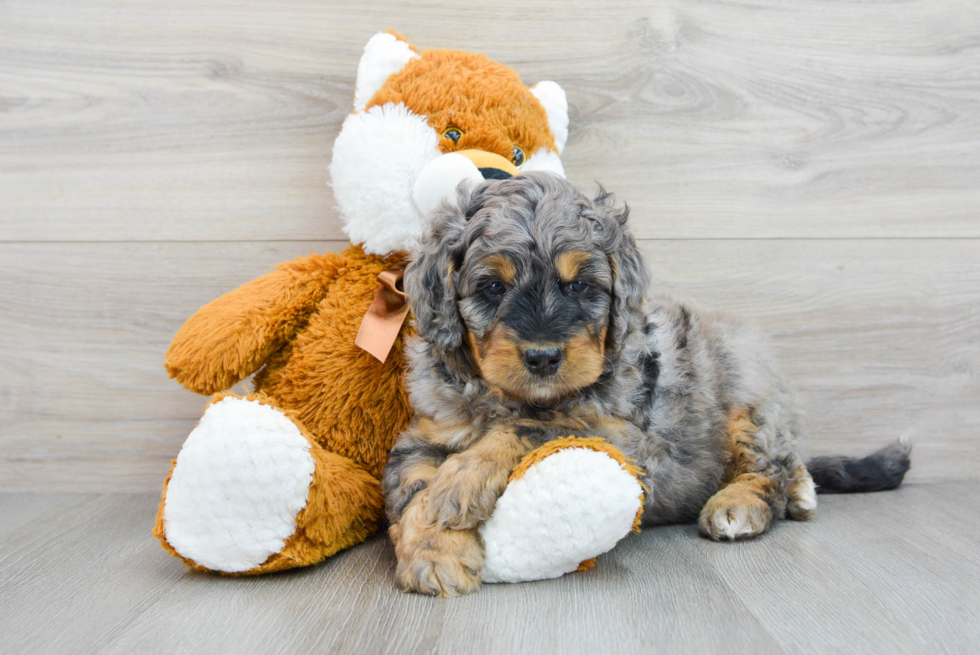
x=529 y=284
x=535 y=312
x=534 y=290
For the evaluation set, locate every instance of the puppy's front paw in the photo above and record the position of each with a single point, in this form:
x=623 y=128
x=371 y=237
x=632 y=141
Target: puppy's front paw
x=434 y=561
x=735 y=513
x=464 y=491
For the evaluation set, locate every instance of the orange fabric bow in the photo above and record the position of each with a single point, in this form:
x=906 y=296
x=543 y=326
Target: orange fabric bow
x=384 y=318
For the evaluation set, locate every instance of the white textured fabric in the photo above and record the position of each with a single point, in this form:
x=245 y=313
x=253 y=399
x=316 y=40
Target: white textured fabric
x=384 y=55
x=439 y=180
x=376 y=158
x=569 y=507
x=241 y=478
x=544 y=159
x=552 y=96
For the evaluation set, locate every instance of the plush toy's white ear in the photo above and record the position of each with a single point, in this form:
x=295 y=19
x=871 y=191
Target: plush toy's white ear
x=384 y=55
x=553 y=98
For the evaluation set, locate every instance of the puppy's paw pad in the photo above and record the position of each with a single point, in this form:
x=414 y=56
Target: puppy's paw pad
x=802 y=498
x=441 y=576
x=442 y=563
x=722 y=520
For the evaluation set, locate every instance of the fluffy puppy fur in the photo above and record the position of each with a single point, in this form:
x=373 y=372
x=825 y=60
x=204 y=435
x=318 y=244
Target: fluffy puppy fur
x=534 y=322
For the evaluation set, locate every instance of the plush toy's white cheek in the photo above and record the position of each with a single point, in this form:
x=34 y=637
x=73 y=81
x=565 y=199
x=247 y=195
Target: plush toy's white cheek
x=376 y=158
x=544 y=159
x=440 y=179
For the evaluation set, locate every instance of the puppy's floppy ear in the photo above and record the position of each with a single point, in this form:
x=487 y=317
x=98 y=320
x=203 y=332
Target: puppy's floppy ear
x=631 y=279
x=431 y=279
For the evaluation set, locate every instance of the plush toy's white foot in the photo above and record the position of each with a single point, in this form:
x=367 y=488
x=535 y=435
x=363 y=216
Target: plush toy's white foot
x=566 y=507
x=240 y=480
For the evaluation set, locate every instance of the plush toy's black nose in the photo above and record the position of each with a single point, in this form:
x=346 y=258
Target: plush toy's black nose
x=543 y=361
x=495 y=174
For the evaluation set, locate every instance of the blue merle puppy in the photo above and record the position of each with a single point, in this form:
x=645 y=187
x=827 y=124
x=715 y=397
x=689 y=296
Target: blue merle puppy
x=535 y=322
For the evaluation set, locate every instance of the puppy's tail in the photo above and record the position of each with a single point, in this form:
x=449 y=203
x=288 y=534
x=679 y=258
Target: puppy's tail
x=879 y=471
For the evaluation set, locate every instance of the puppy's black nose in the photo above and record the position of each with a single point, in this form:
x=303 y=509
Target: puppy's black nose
x=543 y=361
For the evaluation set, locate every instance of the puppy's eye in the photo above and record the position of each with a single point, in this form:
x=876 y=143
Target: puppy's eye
x=495 y=289
x=517 y=156
x=577 y=288
x=453 y=134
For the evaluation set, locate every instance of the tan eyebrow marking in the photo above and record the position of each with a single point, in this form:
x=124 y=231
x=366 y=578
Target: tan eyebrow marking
x=568 y=264
x=502 y=266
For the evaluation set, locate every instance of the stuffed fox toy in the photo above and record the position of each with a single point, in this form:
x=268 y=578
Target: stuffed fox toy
x=289 y=474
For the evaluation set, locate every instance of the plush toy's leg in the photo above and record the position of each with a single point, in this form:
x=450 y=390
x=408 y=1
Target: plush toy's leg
x=566 y=503
x=251 y=492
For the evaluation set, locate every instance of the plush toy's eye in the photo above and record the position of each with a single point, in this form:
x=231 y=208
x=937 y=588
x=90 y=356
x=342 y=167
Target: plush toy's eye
x=495 y=289
x=577 y=288
x=453 y=134
x=517 y=156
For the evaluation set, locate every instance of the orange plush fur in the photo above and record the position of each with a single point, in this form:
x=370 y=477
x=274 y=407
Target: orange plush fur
x=296 y=326
x=485 y=100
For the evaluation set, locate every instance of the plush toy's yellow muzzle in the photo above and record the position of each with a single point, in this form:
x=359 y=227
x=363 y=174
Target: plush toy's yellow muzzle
x=439 y=178
x=491 y=165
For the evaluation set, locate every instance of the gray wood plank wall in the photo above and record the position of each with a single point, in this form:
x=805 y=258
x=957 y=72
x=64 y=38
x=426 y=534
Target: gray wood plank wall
x=813 y=165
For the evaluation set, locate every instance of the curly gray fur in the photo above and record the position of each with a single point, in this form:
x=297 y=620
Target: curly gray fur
x=672 y=371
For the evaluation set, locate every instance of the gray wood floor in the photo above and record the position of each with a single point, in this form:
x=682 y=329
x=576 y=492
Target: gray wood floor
x=896 y=572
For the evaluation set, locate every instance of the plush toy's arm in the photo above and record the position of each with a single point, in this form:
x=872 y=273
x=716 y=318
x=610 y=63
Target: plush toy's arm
x=231 y=337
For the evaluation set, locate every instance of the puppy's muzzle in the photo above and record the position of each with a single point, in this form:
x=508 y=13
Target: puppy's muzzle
x=543 y=361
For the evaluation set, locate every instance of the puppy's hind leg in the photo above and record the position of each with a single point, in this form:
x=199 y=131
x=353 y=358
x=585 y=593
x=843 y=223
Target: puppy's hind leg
x=750 y=499
x=801 y=496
